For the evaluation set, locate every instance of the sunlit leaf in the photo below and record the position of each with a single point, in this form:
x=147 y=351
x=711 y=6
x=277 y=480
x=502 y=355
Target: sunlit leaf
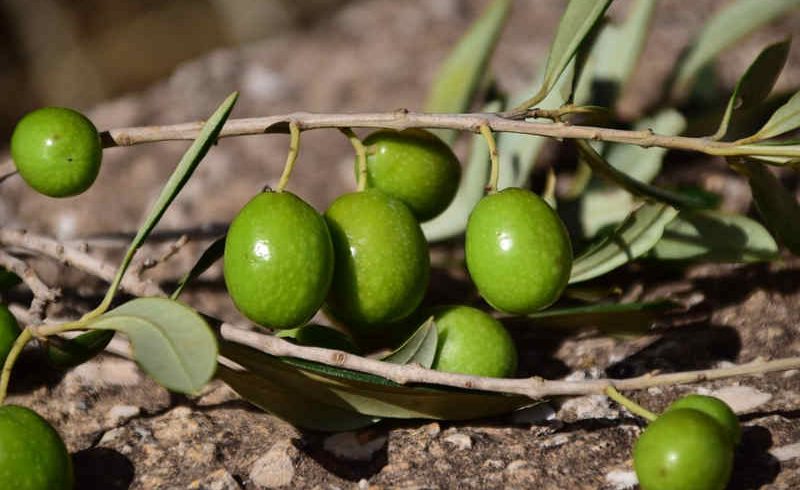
x=713 y=236
x=371 y=395
x=756 y=83
x=461 y=74
x=171 y=342
x=777 y=206
x=634 y=237
x=731 y=23
x=420 y=348
x=785 y=119
x=576 y=23
x=453 y=220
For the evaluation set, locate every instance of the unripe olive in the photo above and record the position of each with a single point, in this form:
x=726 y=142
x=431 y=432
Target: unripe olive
x=518 y=251
x=278 y=260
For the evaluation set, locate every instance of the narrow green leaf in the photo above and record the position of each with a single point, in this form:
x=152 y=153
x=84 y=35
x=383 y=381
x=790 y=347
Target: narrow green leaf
x=785 y=119
x=316 y=335
x=210 y=255
x=349 y=390
x=66 y=353
x=756 y=83
x=602 y=204
x=614 y=317
x=171 y=342
x=634 y=237
x=601 y=167
x=453 y=220
x=576 y=23
x=713 y=236
x=727 y=26
x=777 y=206
x=290 y=404
x=420 y=348
x=460 y=76
x=187 y=165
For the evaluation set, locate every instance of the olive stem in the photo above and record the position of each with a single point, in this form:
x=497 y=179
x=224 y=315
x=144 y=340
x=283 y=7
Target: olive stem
x=471 y=122
x=494 y=173
x=361 y=155
x=291 y=157
x=24 y=337
x=629 y=404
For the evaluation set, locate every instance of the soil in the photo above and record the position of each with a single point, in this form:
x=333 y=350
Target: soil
x=127 y=432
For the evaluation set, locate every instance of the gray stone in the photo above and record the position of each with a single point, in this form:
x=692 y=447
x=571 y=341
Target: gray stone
x=276 y=468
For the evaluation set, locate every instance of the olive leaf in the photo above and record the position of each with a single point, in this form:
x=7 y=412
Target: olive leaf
x=713 y=236
x=368 y=394
x=419 y=348
x=575 y=25
x=728 y=25
x=171 y=341
x=66 y=353
x=188 y=163
x=210 y=255
x=785 y=119
x=602 y=204
x=640 y=231
x=290 y=404
x=756 y=83
x=777 y=206
x=460 y=75
x=608 y=318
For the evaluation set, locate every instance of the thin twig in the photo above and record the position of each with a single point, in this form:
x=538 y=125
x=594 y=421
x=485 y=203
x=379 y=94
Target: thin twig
x=494 y=172
x=73 y=256
x=150 y=262
x=361 y=156
x=472 y=122
x=291 y=156
x=43 y=295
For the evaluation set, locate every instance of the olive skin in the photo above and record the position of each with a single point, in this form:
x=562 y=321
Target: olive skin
x=278 y=261
x=518 y=251
x=414 y=166
x=683 y=449
x=57 y=151
x=714 y=408
x=472 y=342
x=9 y=331
x=382 y=264
x=32 y=454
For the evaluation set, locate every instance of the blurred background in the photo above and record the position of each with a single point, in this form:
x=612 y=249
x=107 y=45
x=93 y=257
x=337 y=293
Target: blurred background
x=77 y=53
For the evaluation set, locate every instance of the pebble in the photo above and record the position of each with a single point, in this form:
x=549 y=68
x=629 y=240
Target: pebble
x=119 y=414
x=349 y=446
x=621 y=479
x=786 y=453
x=742 y=398
x=516 y=465
x=276 y=468
x=459 y=440
x=218 y=480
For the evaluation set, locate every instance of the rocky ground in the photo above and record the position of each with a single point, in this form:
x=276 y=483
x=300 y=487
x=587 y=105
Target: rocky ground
x=126 y=432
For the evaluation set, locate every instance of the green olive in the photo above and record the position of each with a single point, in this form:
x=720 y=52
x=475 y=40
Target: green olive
x=714 y=408
x=8 y=279
x=9 y=331
x=278 y=260
x=57 y=151
x=518 y=251
x=683 y=449
x=32 y=454
x=473 y=342
x=414 y=166
x=382 y=264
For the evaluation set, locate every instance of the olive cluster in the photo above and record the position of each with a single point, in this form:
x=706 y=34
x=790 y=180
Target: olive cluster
x=366 y=260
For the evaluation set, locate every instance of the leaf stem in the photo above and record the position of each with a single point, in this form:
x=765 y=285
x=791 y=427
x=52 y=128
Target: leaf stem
x=629 y=404
x=291 y=157
x=494 y=174
x=24 y=337
x=361 y=155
